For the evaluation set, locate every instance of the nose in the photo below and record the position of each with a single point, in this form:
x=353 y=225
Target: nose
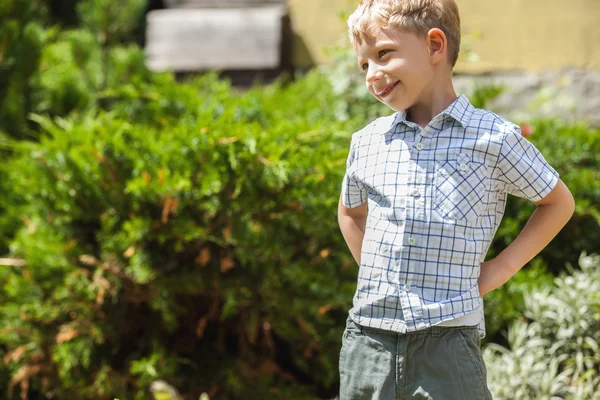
x=374 y=73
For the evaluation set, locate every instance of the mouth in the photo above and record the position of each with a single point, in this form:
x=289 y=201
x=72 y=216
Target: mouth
x=387 y=90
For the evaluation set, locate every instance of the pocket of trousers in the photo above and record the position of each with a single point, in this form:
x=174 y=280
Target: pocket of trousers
x=473 y=350
x=350 y=330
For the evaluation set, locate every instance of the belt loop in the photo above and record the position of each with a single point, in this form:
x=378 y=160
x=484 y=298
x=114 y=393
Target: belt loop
x=435 y=331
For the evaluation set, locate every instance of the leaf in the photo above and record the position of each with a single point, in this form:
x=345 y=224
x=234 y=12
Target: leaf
x=169 y=207
x=201 y=326
x=227 y=233
x=15 y=355
x=226 y=264
x=325 y=253
x=324 y=309
x=129 y=252
x=228 y=140
x=88 y=260
x=66 y=334
x=204 y=257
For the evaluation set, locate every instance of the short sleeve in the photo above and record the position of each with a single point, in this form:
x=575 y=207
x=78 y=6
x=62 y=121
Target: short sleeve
x=522 y=170
x=354 y=192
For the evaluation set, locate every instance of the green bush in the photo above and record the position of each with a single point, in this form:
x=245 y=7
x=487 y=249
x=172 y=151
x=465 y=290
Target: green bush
x=205 y=252
x=554 y=353
x=22 y=38
x=44 y=70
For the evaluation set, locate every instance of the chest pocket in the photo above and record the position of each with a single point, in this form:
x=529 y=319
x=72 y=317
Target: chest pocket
x=461 y=191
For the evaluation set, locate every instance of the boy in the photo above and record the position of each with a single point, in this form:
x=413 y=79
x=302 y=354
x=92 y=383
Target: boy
x=424 y=192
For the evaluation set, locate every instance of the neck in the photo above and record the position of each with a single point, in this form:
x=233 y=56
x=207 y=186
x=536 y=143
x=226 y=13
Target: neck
x=432 y=103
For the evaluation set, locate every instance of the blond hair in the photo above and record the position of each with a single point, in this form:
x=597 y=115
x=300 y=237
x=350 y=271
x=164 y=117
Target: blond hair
x=414 y=16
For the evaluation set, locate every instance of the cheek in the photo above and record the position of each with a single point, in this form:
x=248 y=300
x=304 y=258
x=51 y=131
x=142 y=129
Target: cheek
x=421 y=75
x=369 y=87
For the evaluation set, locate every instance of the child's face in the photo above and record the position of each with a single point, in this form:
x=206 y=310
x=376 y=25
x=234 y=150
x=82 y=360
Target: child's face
x=397 y=67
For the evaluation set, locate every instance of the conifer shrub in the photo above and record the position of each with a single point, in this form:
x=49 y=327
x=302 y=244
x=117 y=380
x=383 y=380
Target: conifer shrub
x=203 y=250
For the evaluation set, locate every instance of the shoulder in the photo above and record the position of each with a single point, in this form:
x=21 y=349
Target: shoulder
x=379 y=126
x=487 y=122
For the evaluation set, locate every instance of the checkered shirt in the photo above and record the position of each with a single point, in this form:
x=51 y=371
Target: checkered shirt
x=436 y=197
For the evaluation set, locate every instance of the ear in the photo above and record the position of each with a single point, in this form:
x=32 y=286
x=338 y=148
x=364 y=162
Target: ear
x=437 y=44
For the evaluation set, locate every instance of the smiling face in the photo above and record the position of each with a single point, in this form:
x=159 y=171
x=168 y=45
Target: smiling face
x=398 y=67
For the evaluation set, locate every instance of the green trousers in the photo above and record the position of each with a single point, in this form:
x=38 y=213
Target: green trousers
x=438 y=363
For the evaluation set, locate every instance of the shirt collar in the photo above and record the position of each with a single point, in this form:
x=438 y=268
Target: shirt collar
x=460 y=110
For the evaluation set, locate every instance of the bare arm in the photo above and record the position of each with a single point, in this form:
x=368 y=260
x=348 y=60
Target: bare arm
x=551 y=215
x=352 y=224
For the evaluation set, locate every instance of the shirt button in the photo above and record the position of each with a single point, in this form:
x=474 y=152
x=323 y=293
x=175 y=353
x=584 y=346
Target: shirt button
x=407 y=287
x=463 y=167
x=416 y=193
x=419 y=146
x=411 y=240
x=385 y=249
x=397 y=263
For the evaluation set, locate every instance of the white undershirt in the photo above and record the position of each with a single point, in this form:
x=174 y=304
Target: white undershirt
x=470 y=319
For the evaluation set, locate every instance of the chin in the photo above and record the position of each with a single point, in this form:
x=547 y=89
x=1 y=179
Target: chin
x=398 y=102
x=400 y=105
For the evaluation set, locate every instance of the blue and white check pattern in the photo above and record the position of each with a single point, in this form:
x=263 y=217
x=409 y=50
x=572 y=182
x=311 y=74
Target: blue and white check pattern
x=436 y=197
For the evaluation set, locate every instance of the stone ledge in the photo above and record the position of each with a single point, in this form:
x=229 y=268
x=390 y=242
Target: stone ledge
x=570 y=94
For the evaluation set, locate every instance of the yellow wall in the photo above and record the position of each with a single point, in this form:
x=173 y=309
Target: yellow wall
x=529 y=35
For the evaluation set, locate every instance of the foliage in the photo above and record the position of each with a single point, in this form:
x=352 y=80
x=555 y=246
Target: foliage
x=555 y=353
x=44 y=70
x=22 y=38
x=189 y=250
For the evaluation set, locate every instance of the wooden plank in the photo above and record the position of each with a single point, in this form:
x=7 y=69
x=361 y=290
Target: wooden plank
x=204 y=39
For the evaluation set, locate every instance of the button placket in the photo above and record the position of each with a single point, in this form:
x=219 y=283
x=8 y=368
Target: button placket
x=411 y=305
x=463 y=163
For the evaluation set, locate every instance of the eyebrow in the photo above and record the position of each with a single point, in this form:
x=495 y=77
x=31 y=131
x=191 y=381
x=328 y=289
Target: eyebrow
x=384 y=44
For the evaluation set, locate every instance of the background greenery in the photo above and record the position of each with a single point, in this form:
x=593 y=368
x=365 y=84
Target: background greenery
x=186 y=231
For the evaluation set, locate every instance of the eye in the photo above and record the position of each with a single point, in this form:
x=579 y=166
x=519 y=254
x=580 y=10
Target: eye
x=383 y=52
x=364 y=67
